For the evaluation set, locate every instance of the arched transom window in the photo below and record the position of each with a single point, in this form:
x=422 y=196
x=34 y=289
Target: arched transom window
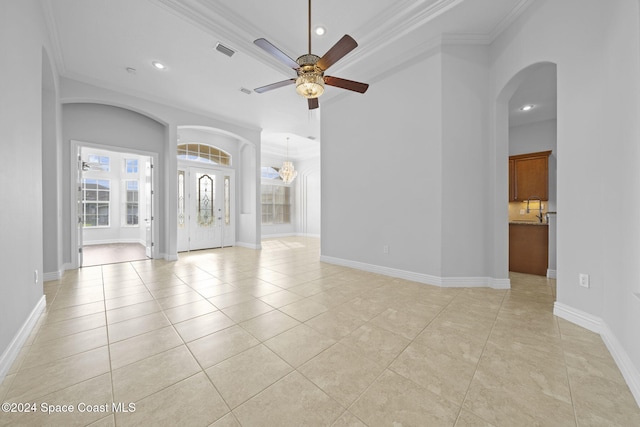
x=203 y=153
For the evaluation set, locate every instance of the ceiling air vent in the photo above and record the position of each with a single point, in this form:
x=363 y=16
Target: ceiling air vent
x=223 y=49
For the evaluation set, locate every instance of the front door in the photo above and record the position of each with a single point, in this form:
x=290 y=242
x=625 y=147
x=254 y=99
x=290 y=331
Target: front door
x=205 y=209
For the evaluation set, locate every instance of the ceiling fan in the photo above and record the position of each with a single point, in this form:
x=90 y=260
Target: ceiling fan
x=310 y=69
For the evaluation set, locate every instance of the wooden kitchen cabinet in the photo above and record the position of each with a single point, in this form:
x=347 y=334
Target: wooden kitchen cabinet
x=529 y=176
x=529 y=248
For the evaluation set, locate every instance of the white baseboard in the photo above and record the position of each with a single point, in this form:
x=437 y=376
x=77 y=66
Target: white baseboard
x=54 y=275
x=551 y=274
x=249 y=245
x=445 y=282
x=11 y=352
x=308 y=235
x=168 y=257
x=579 y=317
x=626 y=366
x=292 y=234
x=597 y=325
x=113 y=241
x=278 y=235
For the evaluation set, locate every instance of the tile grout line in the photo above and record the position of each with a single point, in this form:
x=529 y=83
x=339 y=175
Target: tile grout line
x=56 y=390
x=184 y=343
x=387 y=367
x=484 y=347
x=106 y=324
x=566 y=367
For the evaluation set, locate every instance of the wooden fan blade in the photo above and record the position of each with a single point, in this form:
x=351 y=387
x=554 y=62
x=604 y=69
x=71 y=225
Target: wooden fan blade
x=313 y=103
x=276 y=53
x=274 y=86
x=345 y=45
x=346 y=84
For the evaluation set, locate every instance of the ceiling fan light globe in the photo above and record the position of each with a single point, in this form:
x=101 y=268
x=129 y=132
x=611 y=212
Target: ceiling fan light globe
x=310 y=85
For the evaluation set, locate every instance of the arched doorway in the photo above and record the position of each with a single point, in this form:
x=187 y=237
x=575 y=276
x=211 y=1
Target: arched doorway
x=206 y=196
x=521 y=130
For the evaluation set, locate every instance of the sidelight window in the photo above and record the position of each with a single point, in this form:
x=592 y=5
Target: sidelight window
x=132 y=199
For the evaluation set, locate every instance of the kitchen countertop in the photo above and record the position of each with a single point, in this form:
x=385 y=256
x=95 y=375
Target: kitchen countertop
x=527 y=223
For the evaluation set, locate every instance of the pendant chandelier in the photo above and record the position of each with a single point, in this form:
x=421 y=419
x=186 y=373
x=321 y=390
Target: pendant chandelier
x=287 y=171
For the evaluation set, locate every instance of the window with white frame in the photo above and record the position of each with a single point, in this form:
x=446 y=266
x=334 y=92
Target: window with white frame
x=204 y=153
x=131 y=165
x=276 y=204
x=96 y=195
x=100 y=162
x=132 y=197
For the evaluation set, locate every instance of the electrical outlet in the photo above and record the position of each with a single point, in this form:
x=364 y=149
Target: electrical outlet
x=385 y=249
x=36 y=279
x=583 y=280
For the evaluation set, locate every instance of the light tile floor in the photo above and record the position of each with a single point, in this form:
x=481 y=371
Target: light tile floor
x=237 y=337
x=112 y=253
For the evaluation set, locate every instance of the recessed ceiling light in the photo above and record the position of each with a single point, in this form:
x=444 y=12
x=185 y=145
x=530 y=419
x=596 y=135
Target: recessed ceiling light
x=527 y=107
x=320 y=30
x=159 y=65
x=131 y=70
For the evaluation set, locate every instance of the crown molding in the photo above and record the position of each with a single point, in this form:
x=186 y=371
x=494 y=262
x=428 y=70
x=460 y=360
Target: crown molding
x=393 y=24
x=515 y=13
x=224 y=25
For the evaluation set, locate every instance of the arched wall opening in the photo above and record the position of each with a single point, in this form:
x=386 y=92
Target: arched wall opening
x=501 y=129
x=51 y=218
x=242 y=173
x=118 y=129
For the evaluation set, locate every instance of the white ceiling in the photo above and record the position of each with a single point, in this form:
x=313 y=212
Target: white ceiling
x=97 y=40
x=539 y=88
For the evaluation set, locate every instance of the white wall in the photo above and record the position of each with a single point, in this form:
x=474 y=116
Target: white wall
x=382 y=173
x=21 y=42
x=597 y=65
x=619 y=212
x=51 y=174
x=417 y=172
x=465 y=154
x=308 y=196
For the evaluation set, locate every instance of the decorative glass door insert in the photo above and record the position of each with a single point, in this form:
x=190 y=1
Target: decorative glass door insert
x=206 y=200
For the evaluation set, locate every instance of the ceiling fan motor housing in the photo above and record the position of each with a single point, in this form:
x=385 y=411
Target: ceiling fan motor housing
x=310 y=81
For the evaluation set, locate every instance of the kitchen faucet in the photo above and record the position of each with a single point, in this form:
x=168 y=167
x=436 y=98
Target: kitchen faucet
x=539 y=216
